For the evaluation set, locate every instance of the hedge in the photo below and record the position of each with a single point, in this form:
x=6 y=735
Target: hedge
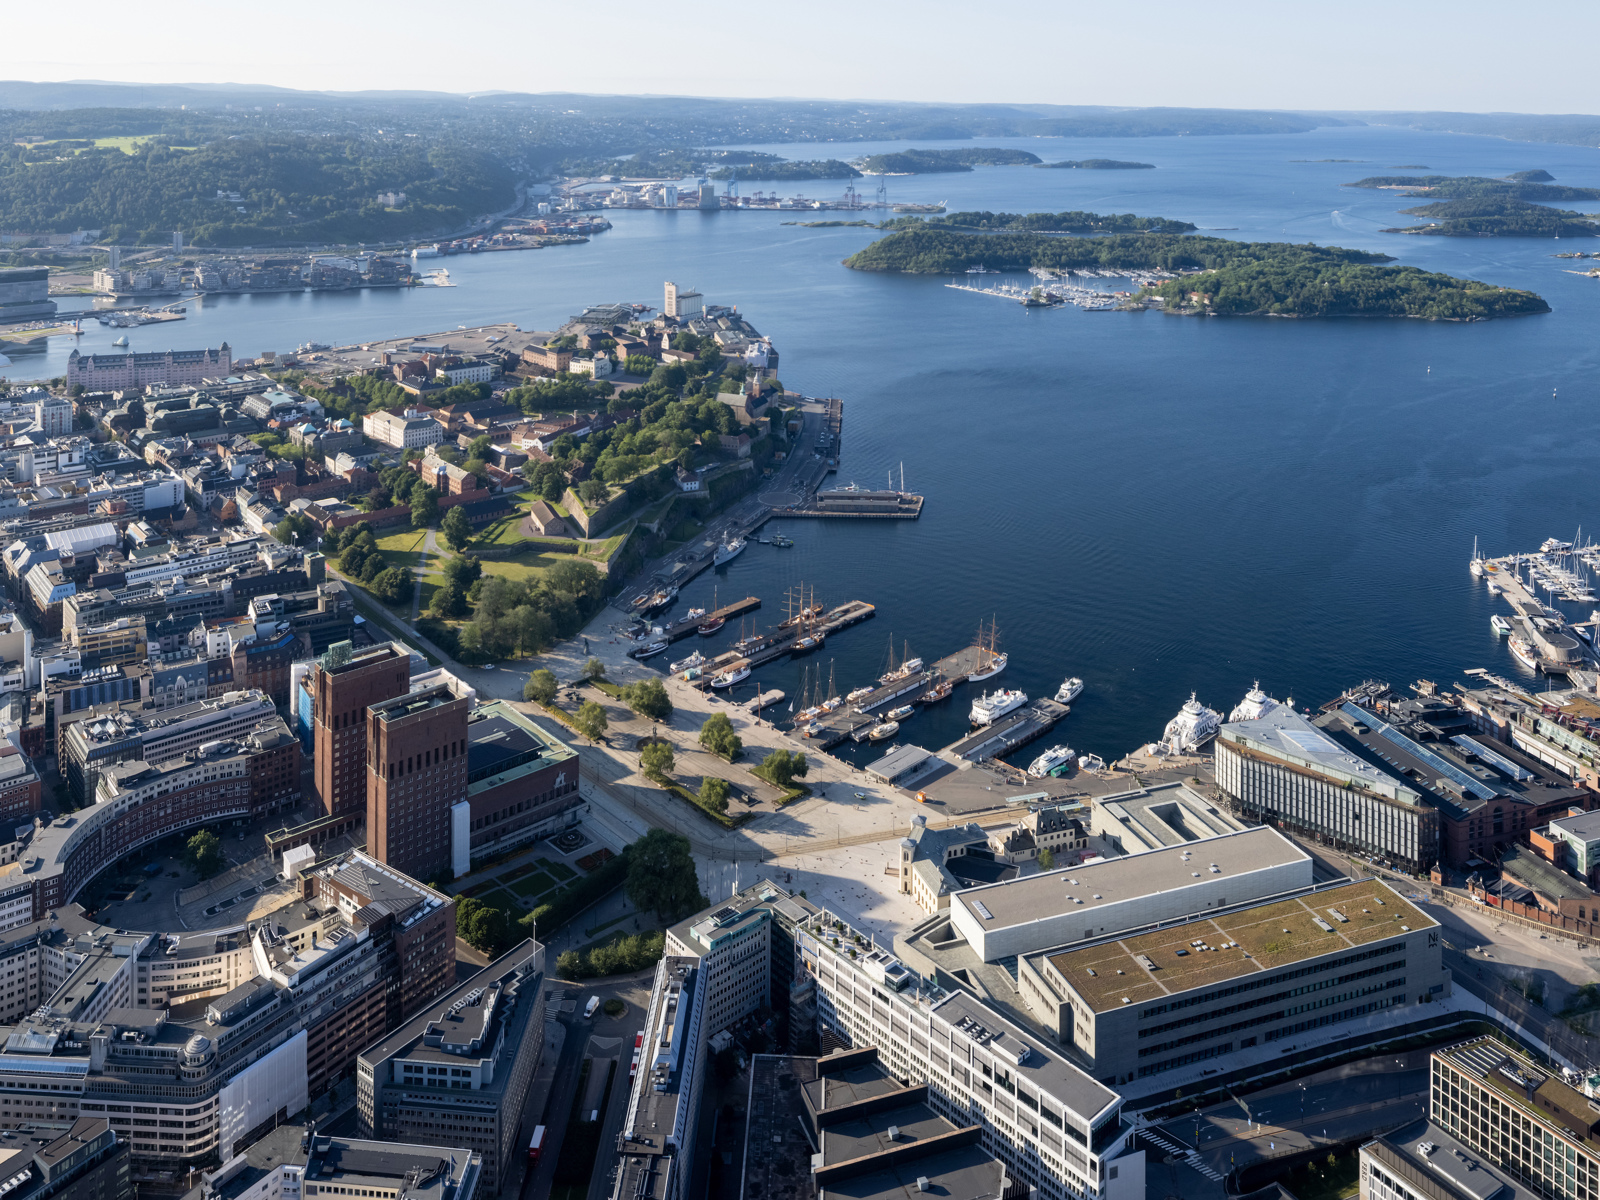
x=591 y=889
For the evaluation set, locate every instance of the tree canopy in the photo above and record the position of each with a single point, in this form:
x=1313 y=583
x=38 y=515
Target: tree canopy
x=662 y=876
x=717 y=736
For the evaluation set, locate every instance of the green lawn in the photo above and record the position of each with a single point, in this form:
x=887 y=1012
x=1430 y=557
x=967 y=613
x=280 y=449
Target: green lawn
x=560 y=870
x=532 y=885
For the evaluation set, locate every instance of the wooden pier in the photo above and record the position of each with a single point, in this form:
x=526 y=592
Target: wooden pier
x=683 y=628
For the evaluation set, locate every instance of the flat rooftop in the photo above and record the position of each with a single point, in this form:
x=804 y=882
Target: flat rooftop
x=1023 y=901
x=1169 y=815
x=1585 y=827
x=1045 y=1068
x=777 y=1156
x=1554 y=1102
x=1252 y=940
x=500 y=739
x=1428 y=1161
x=1285 y=735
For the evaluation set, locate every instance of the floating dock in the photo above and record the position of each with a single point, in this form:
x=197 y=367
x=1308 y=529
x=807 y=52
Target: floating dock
x=858 y=506
x=1005 y=735
x=683 y=628
x=782 y=642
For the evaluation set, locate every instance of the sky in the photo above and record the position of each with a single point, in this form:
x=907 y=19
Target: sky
x=1468 y=55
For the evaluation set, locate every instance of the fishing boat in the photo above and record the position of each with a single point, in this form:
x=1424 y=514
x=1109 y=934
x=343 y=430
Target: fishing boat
x=650 y=650
x=1052 y=762
x=859 y=693
x=990 y=661
x=713 y=626
x=1069 y=691
x=1500 y=625
x=883 y=731
x=728 y=678
x=939 y=691
x=728 y=551
x=989 y=708
x=781 y=541
x=687 y=664
x=901 y=713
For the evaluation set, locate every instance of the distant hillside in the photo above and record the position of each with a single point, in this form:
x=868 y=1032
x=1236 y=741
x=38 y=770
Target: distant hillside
x=932 y=162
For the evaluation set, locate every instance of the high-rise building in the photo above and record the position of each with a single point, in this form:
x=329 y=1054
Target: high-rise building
x=416 y=755
x=343 y=685
x=458 y=1072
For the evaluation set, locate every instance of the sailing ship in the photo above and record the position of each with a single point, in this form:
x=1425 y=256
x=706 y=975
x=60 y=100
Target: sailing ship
x=908 y=666
x=939 y=691
x=712 y=625
x=990 y=661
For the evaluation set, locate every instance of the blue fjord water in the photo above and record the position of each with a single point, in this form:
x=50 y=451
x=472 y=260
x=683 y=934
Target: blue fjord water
x=1160 y=505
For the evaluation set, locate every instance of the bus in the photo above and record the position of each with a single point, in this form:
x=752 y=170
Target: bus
x=537 y=1144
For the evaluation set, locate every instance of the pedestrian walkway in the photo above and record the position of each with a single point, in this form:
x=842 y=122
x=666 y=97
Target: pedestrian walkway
x=1183 y=1152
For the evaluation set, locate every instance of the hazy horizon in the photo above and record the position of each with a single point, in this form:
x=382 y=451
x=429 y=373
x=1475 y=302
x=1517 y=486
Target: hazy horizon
x=1244 y=54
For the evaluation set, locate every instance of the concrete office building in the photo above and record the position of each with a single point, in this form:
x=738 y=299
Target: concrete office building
x=459 y=1071
x=1529 y=1123
x=1199 y=989
x=82 y=1161
x=682 y=303
x=188 y=1079
x=342 y=686
x=25 y=295
x=416 y=773
x=656 y=1146
x=1056 y=1129
x=1150 y=819
x=294 y=1161
x=1036 y=912
x=1574 y=844
x=877 y=1138
x=101 y=740
x=1421 y=1161
x=1285 y=770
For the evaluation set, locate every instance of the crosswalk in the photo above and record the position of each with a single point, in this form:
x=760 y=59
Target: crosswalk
x=1183 y=1152
x=552 y=1003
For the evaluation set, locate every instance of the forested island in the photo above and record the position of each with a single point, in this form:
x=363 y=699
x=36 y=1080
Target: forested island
x=1222 y=277
x=1062 y=222
x=1524 y=185
x=1100 y=164
x=1475 y=206
x=1489 y=216
x=789 y=169
x=935 y=162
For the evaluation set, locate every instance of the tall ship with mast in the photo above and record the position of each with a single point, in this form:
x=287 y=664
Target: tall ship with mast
x=991 y=661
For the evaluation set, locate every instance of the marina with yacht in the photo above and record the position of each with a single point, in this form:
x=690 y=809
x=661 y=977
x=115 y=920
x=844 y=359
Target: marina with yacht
x=1540 y=635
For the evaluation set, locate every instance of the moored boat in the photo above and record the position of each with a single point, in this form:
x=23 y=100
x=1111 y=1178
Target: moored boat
x=939 y=691
x=1069 y=691
x=687 y=664
x=1500 y=625
x=883 y=731
x=728 y=678
x=1523 y=649
x=901 y=713
x=1052 y=762
x=650 y=650
x=858 y=693
x=707 y=628
x=992 y=706
x=694 y=614
x=728 y=551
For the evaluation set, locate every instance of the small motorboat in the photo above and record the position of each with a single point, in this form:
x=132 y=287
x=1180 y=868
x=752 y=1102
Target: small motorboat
x=1069 y=691
x=650 y=650
x=859 y=693
x=883 y=731
x=1500 y=625
x=901 y=713
x=728 y=678
x=694 y=614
